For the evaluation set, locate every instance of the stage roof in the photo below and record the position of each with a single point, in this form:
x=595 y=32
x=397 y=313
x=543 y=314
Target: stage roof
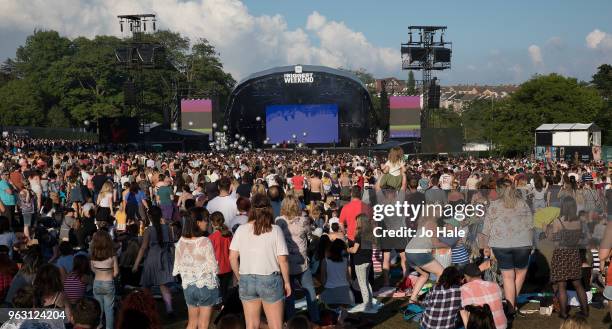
x=305 y=68
x=567 y=127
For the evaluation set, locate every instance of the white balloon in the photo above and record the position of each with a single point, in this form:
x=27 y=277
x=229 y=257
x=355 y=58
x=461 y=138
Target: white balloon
x=273 y=146
x=237 y=136
x=304 y=133
x=300 y=145
x=240 y=147
x=224 y=127
x=294 y=136
x=258 y=119
x=214 y=125
x=242 y=139
x=314 y=152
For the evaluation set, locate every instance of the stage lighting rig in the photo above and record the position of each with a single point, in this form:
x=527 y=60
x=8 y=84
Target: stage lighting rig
x=427 y=55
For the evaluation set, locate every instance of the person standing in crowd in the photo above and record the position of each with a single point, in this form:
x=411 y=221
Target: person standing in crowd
x=225 y=202
x=243 y=205
x=7 y=198
x=195 y=262
x=478 y=292
x=164 y=197
x=263 y=269
x=361 y=252
x=104 y=202
x=105 y=267
x=27 y=205
x=76 y=282
x=508 y=231
x=221 y=238
x=158 y=264
x=566 y=232
x=350 y=211
x=296 y=229
x=389 y=196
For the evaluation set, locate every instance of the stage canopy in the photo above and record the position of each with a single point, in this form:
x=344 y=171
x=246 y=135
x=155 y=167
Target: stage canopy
x=307 y=104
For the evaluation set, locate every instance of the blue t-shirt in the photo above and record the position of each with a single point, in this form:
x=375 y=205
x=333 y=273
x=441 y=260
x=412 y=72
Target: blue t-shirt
x=65 y=262
x=8 y=199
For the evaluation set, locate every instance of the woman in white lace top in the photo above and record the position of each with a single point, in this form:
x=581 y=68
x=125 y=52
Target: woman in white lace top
x=195 y=261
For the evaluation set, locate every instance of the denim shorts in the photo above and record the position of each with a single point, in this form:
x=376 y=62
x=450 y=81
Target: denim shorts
x=268 y=288
x=201 y=297
x=419 y=259
x=512 y=258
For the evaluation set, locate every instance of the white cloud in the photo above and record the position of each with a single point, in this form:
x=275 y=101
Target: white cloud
x=535 y=53
x=246 y=43
x=598 y=39
x=555 y=42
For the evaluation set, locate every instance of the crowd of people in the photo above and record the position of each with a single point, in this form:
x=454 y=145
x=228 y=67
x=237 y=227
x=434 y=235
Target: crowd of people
x=245 y=239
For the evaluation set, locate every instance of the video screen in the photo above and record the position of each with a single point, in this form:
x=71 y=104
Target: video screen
x=405 y=116
x=442 y=140
x=118 y=130
x=311 y=124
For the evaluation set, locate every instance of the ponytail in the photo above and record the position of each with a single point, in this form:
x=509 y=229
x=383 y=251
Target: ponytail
x=218 y=223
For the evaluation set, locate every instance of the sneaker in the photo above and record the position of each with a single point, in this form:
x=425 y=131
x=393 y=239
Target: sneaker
x=357 y=308
x=372 y=309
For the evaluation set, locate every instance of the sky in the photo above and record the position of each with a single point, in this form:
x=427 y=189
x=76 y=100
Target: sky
x=494 y=42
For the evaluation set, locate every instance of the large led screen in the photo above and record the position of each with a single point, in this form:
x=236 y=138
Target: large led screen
x=311 y=124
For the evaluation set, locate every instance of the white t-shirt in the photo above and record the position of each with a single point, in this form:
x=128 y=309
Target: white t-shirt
x=395 y=169
x=445 y=181
x=258 y=253
x=224 y=204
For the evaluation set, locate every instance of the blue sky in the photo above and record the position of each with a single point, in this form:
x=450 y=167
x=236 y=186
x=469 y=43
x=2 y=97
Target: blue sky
x=482 y=32
x=494 y=42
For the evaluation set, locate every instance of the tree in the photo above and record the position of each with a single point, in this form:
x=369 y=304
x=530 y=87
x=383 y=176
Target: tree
x=54 y=81
x=543 y=99
x=21 y=104
x=476 y=119
x=602 y=80
x=411 y=84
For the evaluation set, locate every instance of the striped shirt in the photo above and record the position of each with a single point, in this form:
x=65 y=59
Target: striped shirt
x=459 y=255
x=596 y=261
x=74 y=288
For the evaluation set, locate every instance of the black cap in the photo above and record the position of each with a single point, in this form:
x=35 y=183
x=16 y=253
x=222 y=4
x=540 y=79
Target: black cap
x=472 y=270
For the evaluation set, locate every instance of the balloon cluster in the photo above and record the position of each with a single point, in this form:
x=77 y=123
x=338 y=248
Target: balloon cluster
x=223 y=141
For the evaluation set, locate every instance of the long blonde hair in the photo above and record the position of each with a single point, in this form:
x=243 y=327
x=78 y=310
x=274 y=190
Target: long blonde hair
x=508 y=195
x=396 y=154
x=106 y=188
x=290 y=207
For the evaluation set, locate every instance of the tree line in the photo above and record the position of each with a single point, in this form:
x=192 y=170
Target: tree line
x=54 y=81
